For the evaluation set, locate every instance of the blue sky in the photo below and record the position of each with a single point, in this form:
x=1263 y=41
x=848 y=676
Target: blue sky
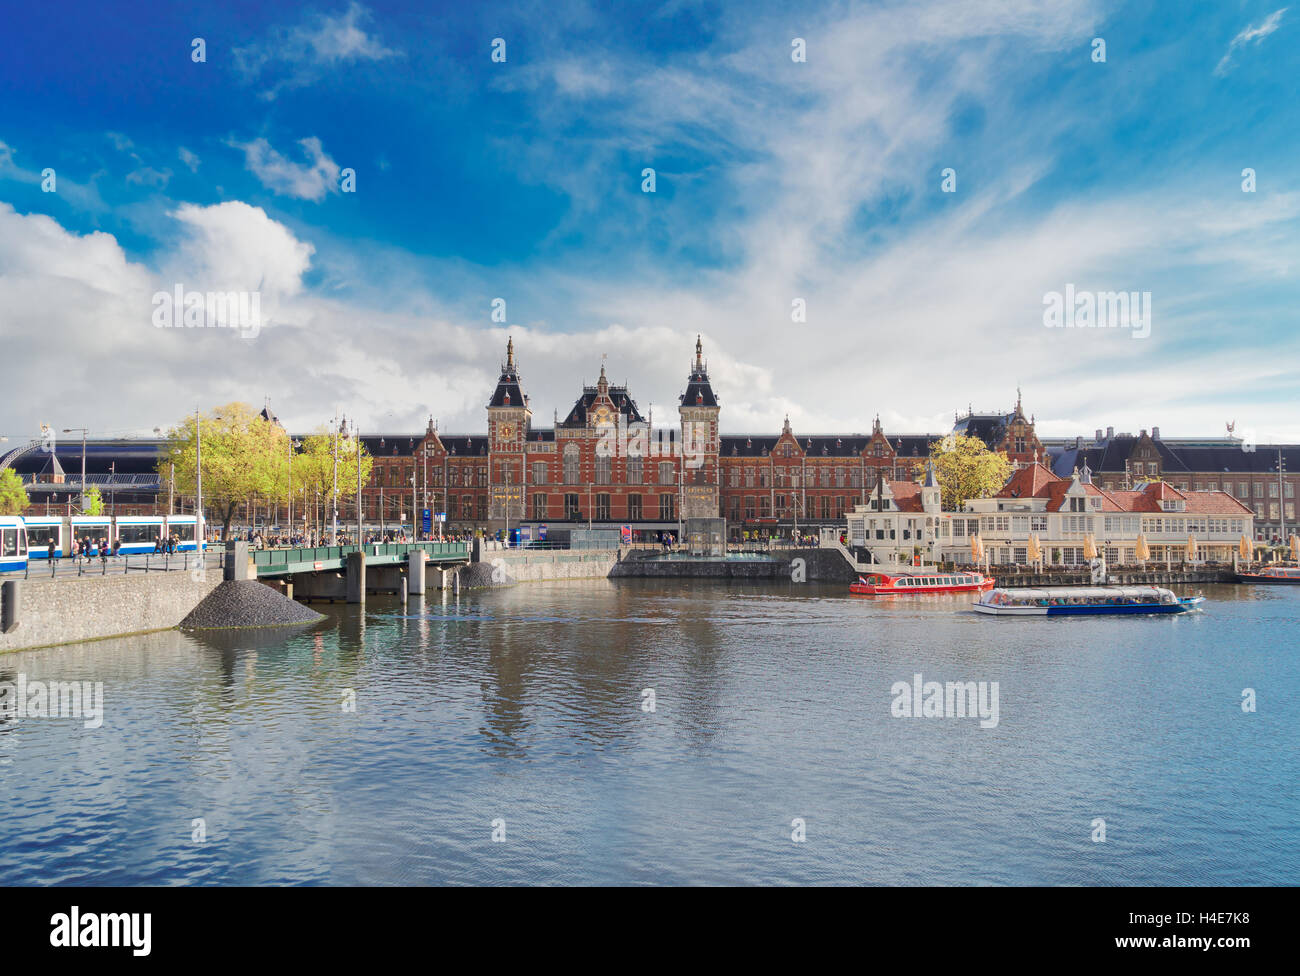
x=776 y=180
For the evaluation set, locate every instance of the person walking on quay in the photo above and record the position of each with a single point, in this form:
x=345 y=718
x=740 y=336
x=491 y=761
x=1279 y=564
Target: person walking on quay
x=50 y=550
x=117 y=548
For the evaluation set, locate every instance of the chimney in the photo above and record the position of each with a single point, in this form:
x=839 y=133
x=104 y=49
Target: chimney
x=1097 y=437
x=1110 y=433
x=1155 y=433
x=1143 y=433
x=1078 y=443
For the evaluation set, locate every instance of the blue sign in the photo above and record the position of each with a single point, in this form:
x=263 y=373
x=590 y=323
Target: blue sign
x=426 y=520
x=541 y=533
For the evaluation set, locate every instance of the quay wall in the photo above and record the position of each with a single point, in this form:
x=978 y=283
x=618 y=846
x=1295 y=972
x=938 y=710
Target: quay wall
x=1152 y=577
x=70 y=610
x=819 y=566
x=504 y=567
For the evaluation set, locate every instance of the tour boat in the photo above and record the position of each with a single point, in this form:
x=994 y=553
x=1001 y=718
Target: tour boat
x=1084 y=600
x=882 y=584
x=1273 y=574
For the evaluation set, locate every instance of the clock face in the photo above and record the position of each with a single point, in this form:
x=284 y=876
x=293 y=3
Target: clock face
x=506 y=431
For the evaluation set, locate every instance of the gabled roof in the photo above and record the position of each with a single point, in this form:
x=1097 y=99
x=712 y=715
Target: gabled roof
x=907 y=495
x=618 y=396
x=1031 y=481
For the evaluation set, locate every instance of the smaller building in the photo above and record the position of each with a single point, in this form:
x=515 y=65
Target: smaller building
x=904 y=522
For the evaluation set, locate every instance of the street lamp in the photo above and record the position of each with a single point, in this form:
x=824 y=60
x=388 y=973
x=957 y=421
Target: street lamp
x=84 y=432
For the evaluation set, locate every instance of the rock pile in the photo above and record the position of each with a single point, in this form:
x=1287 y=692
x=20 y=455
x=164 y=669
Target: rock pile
x=247 y=603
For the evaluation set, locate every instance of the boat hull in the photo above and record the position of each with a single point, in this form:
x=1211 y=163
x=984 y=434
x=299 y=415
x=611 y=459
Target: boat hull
x=1083 y=610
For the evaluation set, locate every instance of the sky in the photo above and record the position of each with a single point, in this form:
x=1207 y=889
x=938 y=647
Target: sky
x=863 y=209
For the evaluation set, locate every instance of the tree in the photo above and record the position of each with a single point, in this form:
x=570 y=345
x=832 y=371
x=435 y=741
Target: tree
x=94 y=503
x=965 y=468
x=313 y=466
x=244 y=455
x=13 y=496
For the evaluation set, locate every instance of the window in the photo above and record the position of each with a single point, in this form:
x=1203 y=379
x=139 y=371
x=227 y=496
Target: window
x=666 y=509
x=9 y=542
x=666 y=475
x=571 y=508
x=539 y=506
x=572 y=474
x=764 y=507
x=603 y=468
x=733 y=478
x=539 y=473
x=634 y=508
x=602 y=506
x=634 y=467
x=735 y=508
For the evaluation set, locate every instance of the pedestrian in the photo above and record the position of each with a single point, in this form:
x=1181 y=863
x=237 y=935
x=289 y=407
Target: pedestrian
x=50 y=549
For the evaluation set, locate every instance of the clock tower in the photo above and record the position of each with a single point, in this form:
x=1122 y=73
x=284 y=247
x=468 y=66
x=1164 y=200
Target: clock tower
x=508 y=422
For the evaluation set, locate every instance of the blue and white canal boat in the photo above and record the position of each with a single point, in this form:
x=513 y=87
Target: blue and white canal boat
x=1073 y=601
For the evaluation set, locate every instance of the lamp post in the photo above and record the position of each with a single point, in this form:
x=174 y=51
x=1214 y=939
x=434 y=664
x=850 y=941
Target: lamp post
x=1281 y=497
x=84 y=431
x=334 y=499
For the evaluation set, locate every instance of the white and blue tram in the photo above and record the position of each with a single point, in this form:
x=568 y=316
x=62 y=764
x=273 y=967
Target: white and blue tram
x=13 y=544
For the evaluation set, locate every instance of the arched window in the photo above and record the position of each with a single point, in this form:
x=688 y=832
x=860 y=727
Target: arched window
x=571 y=469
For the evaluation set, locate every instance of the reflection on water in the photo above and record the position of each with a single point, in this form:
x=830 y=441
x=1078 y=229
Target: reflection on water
x=772 y=701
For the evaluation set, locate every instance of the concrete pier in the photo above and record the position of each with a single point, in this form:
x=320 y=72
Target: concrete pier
x=415 y=567
x=356 y=576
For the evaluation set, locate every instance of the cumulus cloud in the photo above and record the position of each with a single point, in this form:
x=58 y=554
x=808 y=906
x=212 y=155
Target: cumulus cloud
x=1252 y=34
x=310 y=180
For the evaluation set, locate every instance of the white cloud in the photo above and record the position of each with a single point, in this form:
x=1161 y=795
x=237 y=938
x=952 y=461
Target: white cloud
x=306 y=181
x=1252 y=34
x=304 y=52
x=189 y=158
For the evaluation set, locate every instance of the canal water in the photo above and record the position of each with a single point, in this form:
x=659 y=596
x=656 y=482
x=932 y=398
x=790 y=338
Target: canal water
x=639 y=731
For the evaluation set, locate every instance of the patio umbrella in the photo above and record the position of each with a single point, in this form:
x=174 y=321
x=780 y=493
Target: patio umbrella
x=976 y=548
x=1295 y=547
x=1191 y=548
x=1089 y=548
x=1244 y=548
x=1033 y=552
x=1141 y=552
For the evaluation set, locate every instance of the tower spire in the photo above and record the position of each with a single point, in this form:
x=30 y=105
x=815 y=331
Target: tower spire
x=510 y=353
x=699 y=353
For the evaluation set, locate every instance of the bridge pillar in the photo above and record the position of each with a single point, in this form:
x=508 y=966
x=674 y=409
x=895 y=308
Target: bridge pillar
x=415 y=571
x=356 y=577
x=236 y=562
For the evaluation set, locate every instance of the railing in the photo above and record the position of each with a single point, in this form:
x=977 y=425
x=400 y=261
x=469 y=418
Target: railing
x=287 y=560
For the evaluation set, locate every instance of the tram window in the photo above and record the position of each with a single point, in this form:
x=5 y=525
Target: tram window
x=9 y=542
x=137 y=533
x=39 y=536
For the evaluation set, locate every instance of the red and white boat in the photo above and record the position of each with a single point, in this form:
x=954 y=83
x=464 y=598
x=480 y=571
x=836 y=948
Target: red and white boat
x=883 y=584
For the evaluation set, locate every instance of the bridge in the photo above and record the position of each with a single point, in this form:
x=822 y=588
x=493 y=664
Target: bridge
x=287 y=562
x=347 y=572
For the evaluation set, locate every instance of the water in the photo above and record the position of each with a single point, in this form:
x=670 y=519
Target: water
x=772 y=702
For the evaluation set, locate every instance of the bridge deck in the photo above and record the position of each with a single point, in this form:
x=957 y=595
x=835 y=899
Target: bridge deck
x=285 y=562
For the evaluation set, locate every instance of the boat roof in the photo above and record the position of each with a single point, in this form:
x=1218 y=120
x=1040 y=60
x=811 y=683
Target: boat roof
x=1065 y=592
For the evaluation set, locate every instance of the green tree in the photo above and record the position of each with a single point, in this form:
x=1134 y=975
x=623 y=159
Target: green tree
x=13 y=496
x=965 y=468
x=94 y=503
x=244 y=456
x=313 y=468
